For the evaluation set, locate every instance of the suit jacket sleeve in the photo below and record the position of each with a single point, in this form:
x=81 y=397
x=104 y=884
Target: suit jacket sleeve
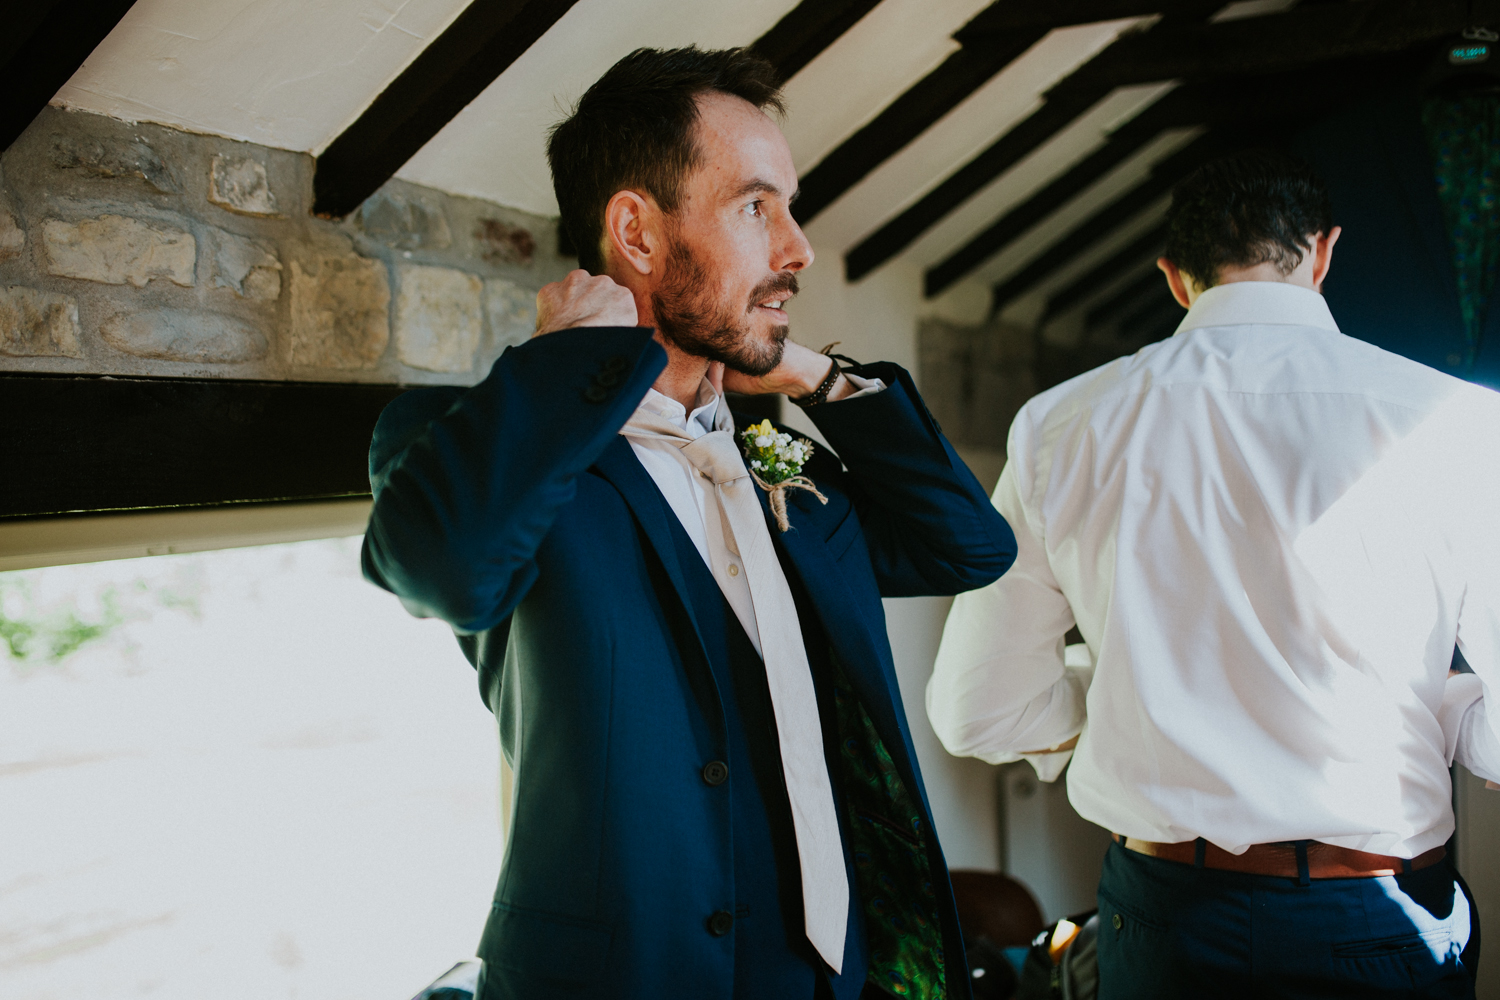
x=467 y=483
x=928 y=524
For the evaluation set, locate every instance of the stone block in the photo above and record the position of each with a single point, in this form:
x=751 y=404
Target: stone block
x=112 y=156
x=405 y=222
x=511 y=313
x=502 y=243
x=250 y=268
x=114 y=250
x=185 y=335
x=12 y=236
x=438 y=318
x=239 y=184
x=340 y=311
x=34 y=323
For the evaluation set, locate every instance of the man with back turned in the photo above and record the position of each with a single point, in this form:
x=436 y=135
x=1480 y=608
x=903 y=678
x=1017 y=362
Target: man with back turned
x=1271 y=537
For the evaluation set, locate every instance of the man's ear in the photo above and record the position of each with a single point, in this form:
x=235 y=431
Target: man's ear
x=631 y=232
x=1176 y=281
x=1323 y=256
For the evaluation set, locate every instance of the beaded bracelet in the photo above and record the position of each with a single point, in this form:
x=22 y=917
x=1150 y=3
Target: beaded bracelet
x=820 y=394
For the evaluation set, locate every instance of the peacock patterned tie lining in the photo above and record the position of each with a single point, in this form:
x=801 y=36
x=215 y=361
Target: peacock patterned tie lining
x=890 y=862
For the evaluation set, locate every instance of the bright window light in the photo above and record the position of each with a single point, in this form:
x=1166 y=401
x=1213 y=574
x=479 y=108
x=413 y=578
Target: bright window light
x=245 y=772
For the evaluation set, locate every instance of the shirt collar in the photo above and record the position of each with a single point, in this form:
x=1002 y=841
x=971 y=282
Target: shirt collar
x=1259 y=303
x=702 y=420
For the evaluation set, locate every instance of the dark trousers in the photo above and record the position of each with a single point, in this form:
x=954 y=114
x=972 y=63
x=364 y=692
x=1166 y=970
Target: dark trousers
x=1172 y=930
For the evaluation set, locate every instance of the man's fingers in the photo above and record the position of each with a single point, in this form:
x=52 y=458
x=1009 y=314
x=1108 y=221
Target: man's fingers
x=583 y=299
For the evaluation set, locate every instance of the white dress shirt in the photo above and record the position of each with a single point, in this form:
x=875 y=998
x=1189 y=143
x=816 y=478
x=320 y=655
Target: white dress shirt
x=689 y=494
x=1270 y=536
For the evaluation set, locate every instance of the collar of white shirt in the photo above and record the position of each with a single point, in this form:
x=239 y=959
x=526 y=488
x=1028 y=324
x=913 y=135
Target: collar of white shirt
x=1259 y=303
x=697 y=423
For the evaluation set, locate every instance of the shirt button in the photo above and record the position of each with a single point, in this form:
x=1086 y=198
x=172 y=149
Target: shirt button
x=720 y=923
x=715 y=772
x=734 y=570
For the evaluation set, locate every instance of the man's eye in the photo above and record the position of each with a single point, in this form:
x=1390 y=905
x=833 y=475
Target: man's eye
x=754 y=208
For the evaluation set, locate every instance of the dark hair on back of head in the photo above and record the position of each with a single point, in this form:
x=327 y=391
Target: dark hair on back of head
x=634 y=128
x=1251 y=208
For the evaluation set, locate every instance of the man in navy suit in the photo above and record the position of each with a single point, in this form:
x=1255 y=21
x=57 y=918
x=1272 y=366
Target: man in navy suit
x=716 y=793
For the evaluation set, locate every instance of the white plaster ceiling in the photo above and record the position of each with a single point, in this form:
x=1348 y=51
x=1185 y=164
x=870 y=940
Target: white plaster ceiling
x=494 y=148
x=1008 y=98
x=285 y=73
x=865 y=69
x=294 y=73
x=1082 y=206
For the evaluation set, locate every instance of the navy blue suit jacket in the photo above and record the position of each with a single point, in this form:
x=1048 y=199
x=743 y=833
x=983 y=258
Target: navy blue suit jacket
x=515 y=512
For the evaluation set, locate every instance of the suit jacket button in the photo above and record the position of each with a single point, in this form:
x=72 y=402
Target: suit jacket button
x=595 y=394
x=607 y=379
x=720 y=923
x=616 y=364
x=715 y=772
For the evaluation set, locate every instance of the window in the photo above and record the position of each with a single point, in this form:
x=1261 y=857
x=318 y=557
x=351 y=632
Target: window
x=244 y=767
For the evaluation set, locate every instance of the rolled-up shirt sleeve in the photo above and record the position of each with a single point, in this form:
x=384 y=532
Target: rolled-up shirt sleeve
x=1000 y=685
x=1466 y=727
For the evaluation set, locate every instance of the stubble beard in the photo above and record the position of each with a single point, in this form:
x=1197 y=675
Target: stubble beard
x=687 y=315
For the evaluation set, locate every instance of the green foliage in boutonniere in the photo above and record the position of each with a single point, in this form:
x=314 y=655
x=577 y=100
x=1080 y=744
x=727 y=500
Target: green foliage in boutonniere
x=774 y=457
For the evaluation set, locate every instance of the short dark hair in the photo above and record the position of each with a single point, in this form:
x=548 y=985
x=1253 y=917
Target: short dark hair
x=634 y=128
x=1251 y=208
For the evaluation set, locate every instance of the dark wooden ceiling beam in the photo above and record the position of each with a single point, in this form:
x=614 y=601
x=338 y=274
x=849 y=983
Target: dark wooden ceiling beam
x=1020 y=16
x=987 y=47
x=1104 y=222
x=907 y=117
x=1143 y=247
x=1177 y=108
x=1300 y=37
x=134 y=443
x=1180 y=46
x=1239 y=107
x=1064 y=104
x=441 y=81
x=43 y=45
x=806 y=30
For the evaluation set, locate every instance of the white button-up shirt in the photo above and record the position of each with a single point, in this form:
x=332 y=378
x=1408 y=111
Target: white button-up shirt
x=1270 y=536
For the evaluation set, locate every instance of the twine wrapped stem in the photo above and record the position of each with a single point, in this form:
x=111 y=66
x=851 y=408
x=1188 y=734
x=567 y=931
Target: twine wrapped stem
x=778 y=495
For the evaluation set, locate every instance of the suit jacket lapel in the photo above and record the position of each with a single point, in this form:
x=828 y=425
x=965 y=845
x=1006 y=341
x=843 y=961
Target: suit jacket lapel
x=624 y=471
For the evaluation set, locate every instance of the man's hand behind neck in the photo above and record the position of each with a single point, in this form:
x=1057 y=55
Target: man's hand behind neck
x=583 y=299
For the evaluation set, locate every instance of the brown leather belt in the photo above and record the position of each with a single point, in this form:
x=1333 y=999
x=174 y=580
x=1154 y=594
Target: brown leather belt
x=1322 y=860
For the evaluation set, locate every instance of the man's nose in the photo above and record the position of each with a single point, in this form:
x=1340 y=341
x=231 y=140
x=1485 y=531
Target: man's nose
x=793 y=252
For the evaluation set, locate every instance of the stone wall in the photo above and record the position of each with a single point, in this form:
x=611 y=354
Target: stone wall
x=975 y=378
x=133 y=249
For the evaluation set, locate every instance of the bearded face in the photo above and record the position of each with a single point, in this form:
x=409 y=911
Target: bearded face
x=693 y=311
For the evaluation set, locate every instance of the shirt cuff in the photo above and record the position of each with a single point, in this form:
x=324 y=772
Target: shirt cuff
x=1079 y=668
x=1469 y=739
x=863 y=386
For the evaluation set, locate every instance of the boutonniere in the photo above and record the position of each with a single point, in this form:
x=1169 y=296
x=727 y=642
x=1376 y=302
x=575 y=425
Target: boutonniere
x=776 y=462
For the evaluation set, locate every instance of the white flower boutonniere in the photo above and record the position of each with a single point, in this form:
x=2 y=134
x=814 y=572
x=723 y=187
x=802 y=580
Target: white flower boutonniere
x=775 y=462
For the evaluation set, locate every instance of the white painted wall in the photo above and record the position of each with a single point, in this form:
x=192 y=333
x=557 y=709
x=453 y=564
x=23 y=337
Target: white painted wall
x=876 y=320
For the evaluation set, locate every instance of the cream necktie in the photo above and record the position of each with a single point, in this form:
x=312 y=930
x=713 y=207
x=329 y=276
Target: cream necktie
x=820 y=852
